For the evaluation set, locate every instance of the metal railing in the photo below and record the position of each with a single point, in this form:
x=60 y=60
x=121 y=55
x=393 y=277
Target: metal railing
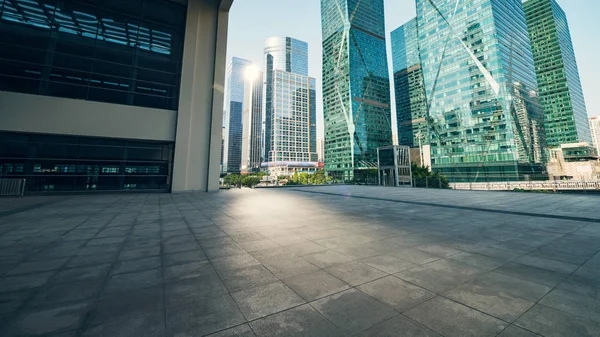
x=12 y=187
x=529 y=186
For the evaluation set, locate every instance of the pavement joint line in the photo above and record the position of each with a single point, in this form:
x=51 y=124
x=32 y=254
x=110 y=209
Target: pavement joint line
x=466 y=208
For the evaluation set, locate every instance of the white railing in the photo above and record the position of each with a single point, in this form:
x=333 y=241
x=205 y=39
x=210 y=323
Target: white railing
x=12 y=187
x=529 y=186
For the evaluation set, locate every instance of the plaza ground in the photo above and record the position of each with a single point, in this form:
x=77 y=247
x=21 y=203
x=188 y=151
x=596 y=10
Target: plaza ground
x=314 y=261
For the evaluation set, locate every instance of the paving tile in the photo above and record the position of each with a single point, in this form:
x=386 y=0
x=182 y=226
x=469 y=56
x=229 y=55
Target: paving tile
x=437 y=281
x=141 y=279
x=129 y=266
x=224 y=250
x=490 y=301
x=188 y=270
x=326 y=258
x=317 y=284
x=91 y=260
x=249 y=277
x=438 y=250
x=357 y=252
x=23 y=282
x=303 y=321
x=515 y=331
x=553 y=323
x=150 y=325
x=533 y=274
x=192 y=290
x=183 y=257
x=139 y=253
x=396 y=293
x=542 y=263
x=353 y=311
x=284 y=266
x=180 y=247
x=355 y=273
x=266 y=299
x=11 y=301
x=577 y=305
x=581 y=285
x=37 y=266
x=238 y=331
x=413 y=255
x=204 y=317
x=477 y=260
x=399 y=326
x=120 y=305
x=388 y=264
x=453 y=319
x=512 y=286
x=227 y=263
x=47 y=320
x=304 y=248
x=251 y=246
x=67 y=292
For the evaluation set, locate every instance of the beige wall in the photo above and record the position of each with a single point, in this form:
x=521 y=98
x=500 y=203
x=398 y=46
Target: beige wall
x=200 y=113
x=43 y=114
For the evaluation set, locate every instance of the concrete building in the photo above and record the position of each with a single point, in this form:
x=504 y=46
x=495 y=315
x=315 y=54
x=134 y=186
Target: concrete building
x=112 y=96
x=576 y=161
x=595 y=130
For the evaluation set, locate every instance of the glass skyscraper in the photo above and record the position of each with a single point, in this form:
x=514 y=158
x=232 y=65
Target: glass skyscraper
x=252 y=123
x=485 y=122
x=561 y=95
x=235 y=87
x=356 y=90
x=409 y=89
x=289 y=104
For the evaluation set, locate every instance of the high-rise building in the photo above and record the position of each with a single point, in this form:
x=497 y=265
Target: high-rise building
x=356 y=90
x=409 y=89
x=595 y=131
x=561 y=95
x=320 y=150
x=289 y=105
x=236 y=87
x=485 y=122
x=252 y=122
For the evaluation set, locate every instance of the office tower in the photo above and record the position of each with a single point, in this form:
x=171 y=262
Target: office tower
x=236 y=85
x=409 y=89
x=356 y=90
x=252 y=122
x=561 y=95
x=290 y=106
x=320 y=150
x=484 y=116
x=595 y=131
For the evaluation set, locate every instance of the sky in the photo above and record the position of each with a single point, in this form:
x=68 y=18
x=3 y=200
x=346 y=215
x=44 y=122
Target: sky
x=251 y=22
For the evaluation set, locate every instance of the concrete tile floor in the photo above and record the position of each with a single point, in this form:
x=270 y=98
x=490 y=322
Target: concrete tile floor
x=317 y=261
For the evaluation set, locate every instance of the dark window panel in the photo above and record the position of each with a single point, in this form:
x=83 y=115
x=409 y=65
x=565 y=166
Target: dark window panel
x=50 y=150
x=163 y=11
x=154 y=102
x=138 y=153
x=66 y=90
x=100 y=152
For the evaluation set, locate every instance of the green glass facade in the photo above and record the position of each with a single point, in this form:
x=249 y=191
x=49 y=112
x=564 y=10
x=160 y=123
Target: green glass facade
x=411 y=104
x=484 y=116
x=356 y=91
x=561 y=95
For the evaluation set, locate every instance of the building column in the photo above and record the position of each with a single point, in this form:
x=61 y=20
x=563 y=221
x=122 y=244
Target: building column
x=200 y=113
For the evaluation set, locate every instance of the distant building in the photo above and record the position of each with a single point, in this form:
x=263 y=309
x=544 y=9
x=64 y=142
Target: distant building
x=320 y=150
x=356 y=89
x=577 y=161
x=409 y=87
x=561 y=95
x=485 y=121
x=252 y=123
x=236 y=86
x=289 y=105
x=595 y=130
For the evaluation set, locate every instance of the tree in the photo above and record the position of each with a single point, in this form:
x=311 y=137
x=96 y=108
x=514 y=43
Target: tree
x=423 y=177
x=251 y=181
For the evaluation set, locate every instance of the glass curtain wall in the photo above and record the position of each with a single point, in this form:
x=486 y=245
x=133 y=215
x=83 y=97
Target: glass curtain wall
x=124 y=52
x=84 y=164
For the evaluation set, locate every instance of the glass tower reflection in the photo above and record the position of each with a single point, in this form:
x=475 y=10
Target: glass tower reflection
x=484 y=117
x=356 y=91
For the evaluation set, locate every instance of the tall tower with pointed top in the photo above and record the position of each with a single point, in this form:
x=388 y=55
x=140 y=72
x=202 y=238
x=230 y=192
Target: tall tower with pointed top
x=356 y=90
